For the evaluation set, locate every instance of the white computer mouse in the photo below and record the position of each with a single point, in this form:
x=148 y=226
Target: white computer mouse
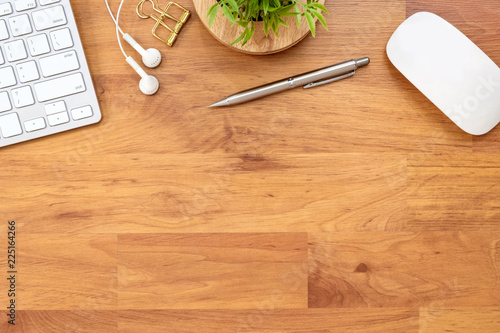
x=448 y=68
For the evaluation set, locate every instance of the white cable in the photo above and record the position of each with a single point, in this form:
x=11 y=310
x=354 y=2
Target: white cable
x=118 y=28
x=116 y=21
x=112 y=16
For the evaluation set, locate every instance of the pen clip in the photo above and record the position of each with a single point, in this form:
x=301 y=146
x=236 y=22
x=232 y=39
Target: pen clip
x=330 y=80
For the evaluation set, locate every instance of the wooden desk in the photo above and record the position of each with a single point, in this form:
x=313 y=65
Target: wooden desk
x=354 y=207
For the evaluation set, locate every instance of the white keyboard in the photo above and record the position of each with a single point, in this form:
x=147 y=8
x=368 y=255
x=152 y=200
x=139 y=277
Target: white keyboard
x=45 y=84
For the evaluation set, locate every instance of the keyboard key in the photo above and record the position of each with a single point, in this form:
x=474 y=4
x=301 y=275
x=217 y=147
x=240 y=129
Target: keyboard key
x=22 y=97
x=5 y=9
x=4 y=33
x=59 y=63
x=4 y=102
x=58 y=118
x=15 y=50
x=24 y=5
x=82 y=113
x=38 y=45
x=54 y=108
x=63 y=86
x=49 y=18
x=61 y=39
x=7 y=77
x=34 y=124
x=2 y=60
x=27 y=72
x=20 y=25
x=10 y=125
x=48 y=2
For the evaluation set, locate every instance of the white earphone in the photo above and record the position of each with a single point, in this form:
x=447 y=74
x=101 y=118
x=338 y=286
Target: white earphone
x=148 y=84
x=151 y=58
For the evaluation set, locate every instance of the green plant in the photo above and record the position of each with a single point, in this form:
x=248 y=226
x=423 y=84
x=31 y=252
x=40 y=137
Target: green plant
x=246 y=12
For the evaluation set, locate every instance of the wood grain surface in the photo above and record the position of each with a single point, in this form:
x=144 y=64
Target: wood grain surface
x=352 y=207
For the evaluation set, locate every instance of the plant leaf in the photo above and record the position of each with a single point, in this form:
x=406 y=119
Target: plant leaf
x=239 y=38
x=212 y=13
x=272 y=12
x=311 y=23
x=288 y=14
x=265 y=6
x=234 y=5
x=285 y=9
x=299 y=17
x=227 y=13
x=249 y=34
x=320 y=17
x=319 y=6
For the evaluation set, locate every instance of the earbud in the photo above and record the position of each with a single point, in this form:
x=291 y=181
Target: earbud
x=150 y=57
x=149 y=85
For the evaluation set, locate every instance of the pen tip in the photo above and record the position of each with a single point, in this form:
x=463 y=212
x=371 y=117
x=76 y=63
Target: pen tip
x=224 y=102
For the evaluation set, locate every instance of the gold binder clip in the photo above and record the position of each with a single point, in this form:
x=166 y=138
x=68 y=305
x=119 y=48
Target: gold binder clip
x=178 y=22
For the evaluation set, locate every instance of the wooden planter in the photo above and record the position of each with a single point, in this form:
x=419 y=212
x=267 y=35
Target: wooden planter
x=259 y=44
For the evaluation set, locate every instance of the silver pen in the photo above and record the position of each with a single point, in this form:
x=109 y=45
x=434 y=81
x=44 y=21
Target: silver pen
x=307 y=80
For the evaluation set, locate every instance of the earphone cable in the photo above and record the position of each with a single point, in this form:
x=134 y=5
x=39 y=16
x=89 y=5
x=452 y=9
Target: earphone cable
x=118 y=28
x=112 y=16
x=116 y=21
